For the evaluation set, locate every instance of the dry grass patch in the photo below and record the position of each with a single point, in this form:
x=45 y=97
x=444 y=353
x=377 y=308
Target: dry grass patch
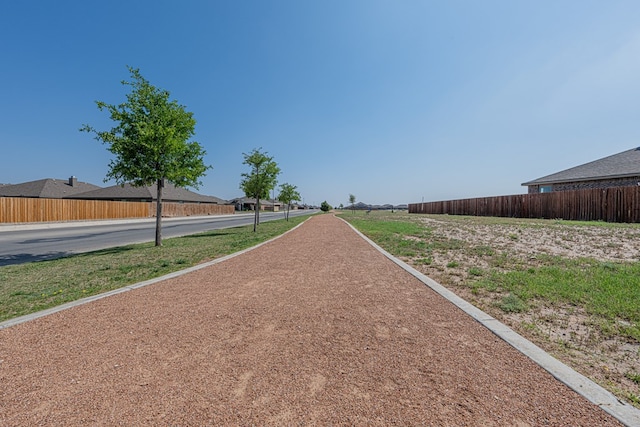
x=573 y=288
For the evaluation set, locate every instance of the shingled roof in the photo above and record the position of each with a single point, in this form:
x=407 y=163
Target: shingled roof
x=48 y=188
x=170 y=193
x=621 y=165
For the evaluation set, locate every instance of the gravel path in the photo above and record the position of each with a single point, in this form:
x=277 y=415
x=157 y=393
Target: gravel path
x=315 y=328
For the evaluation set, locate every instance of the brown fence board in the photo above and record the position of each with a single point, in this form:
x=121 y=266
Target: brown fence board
x=615 y=204
x=191 y=209
x=25 y=210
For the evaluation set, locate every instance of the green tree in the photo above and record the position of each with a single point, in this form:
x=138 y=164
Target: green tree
x=352 y=200
x=150 y=141
x=260 y=180
x=325 y=207
x=288 y=194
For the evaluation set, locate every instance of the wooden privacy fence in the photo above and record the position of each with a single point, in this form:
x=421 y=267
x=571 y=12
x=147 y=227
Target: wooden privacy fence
x=616 y=204
x=191 y=209
x=22 y=209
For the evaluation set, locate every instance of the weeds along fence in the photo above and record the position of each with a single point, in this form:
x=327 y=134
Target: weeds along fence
x=616 y=204
x=25 y=210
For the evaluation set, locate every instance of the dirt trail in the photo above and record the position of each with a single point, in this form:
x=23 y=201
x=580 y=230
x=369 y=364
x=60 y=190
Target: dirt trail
x=315 y=328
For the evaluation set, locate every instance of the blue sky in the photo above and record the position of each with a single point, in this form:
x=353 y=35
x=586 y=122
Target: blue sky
x=392 y=101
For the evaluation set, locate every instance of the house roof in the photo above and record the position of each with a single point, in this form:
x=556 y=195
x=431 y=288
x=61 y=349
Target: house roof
x=621 y=165
x=170 y=193
x=46 y=188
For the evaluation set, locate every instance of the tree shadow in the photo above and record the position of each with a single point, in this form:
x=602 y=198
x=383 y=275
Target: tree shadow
x=106 y=251
x=15 y=259
x=212 y=233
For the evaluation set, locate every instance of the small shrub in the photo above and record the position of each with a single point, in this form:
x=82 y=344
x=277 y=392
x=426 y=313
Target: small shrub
x=512 y=304
x=475 y=271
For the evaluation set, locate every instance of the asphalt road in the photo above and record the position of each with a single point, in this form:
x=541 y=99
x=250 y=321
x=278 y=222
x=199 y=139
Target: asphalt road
x=36 y=242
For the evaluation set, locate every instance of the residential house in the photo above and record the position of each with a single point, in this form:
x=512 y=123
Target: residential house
x=249 y=204
x=129 y=193
x=618 y=170
x=180 y=202
x=47 y=188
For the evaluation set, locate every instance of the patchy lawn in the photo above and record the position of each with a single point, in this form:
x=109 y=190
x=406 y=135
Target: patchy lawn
x=573 y=288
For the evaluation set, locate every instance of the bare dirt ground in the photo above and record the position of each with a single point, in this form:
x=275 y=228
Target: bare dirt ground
x=566 y=332
x=315 y=328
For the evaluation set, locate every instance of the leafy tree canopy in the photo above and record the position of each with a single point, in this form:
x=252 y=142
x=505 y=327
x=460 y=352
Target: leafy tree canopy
x=150 y=141
x=325 y=207
x=150 y=138
x=261 y=179
x=288 y=194
x=352 y=200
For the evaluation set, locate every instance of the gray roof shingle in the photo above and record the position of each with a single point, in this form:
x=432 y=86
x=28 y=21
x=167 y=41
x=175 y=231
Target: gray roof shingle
x=621 y=165
x=48 y=188
x=170 y=193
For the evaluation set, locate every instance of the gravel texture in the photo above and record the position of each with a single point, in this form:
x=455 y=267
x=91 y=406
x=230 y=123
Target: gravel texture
x=314 y=328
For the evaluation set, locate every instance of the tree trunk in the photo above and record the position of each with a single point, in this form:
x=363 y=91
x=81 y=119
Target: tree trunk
x=255 y=216
x=160 y=184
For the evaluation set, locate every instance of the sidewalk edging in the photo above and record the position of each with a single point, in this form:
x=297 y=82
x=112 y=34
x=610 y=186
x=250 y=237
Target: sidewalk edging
x=626 y=414
x=71 y=304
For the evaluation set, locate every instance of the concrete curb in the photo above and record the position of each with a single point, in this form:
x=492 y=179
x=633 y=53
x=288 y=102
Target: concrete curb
x=626 y=414
x=71 y=304
x=65 y=224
